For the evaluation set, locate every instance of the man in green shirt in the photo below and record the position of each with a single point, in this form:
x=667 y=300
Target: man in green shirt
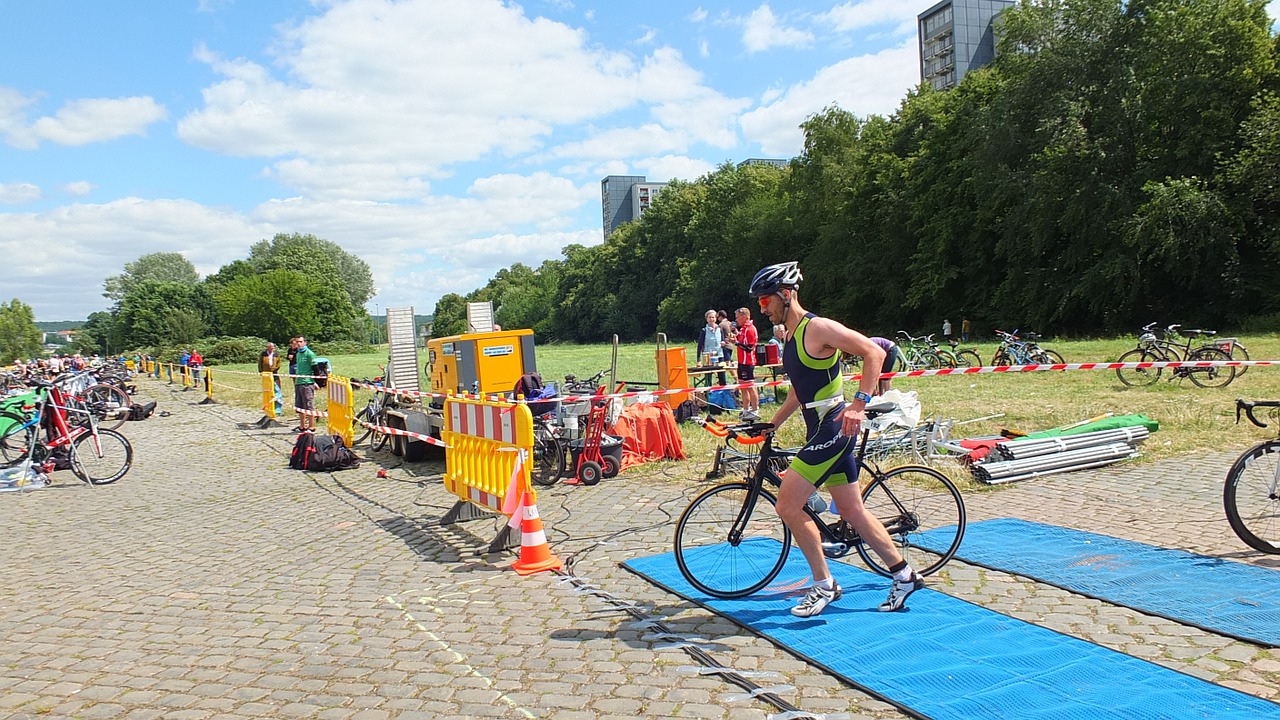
x=304 y=387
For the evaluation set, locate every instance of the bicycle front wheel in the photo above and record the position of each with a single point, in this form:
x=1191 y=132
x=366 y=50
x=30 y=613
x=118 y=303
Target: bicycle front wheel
x=726 y=567
x=920 y=507
x=1211 y=377
x=1251 y=497
x=362 y=415
x=1138 y=377
x=101 y=458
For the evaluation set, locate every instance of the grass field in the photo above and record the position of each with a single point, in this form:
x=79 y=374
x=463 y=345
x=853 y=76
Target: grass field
x=1192 y=419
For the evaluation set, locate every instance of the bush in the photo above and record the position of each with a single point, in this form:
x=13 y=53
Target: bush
x=342 y=347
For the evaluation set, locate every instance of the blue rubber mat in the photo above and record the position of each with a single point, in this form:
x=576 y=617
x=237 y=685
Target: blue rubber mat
x=948 y=659
x=1223 y=597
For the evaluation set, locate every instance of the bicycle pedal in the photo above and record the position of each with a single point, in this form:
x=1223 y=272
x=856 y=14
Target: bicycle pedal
x=834 y=550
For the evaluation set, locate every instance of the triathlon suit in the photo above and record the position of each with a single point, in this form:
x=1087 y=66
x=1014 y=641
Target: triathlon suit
x=827 y=456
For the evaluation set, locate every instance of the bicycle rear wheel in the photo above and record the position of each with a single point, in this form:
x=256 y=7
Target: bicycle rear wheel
x=109 y=404
x=1138 y=377
x=14 y=448
x=722 y=568
x=548 y=458
x=1251 y=497
x=914 y=501
x=377 y=438
x=968 y=358
x=101 y=459
x=1210 y=377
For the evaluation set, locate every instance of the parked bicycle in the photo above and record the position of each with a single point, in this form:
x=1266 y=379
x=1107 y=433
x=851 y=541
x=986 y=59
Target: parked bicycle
x=1023 y=350
x=955 y=357
x=96 y=455
x=375 y=413
x=1251 y=493
x=730 y=542
x=1160 y=345
x=918 y=353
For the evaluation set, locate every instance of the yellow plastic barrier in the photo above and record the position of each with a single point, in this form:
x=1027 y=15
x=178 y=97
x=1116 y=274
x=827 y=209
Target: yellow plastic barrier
x=340 y=414
x=490 y=444
x=268 y=395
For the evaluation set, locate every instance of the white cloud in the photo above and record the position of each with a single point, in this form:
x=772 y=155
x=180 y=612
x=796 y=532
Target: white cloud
x=19 y=193
x=377 y=97
x=648 y=37
x=698 y=15
x=673 y=167
x=864 y=85
x=869 y=13
x=80 y=122
x=761 y=31
x=80 y=188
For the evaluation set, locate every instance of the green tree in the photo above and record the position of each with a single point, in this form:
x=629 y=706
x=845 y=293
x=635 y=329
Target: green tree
x=323 y=261
x=284 y=303
x=19 y=336
x=449 y=316
x=96 y=334
x=143 y=319
x=164 y=267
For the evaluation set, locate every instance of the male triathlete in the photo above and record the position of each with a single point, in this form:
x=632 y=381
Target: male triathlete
x=811 y=359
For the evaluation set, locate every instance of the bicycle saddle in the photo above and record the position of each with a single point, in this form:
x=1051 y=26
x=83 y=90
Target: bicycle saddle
x=879 y=407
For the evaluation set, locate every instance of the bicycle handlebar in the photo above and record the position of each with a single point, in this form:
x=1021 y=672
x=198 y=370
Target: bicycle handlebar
x=1249 y=405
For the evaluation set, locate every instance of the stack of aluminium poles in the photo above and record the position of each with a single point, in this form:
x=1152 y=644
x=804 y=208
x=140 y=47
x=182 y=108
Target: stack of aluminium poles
x=1031 y=458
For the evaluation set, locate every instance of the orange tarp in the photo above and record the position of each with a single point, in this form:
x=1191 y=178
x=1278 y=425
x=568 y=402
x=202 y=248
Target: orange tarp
x=648 y=432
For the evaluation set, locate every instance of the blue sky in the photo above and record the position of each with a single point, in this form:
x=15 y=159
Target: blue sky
x=440 y=140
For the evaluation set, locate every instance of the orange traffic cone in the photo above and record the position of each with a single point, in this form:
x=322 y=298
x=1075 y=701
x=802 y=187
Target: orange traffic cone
x=535 y=553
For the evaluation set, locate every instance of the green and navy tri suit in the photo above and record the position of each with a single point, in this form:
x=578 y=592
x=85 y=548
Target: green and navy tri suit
x=827 y=456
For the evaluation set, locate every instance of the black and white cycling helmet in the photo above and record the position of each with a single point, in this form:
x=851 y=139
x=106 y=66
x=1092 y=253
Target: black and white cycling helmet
x=769 y=279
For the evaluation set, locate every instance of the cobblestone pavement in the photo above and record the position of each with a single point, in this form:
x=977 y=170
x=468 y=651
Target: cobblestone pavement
x=211 y=582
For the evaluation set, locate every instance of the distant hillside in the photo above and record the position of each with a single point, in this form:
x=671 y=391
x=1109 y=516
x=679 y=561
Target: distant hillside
x=60 y=325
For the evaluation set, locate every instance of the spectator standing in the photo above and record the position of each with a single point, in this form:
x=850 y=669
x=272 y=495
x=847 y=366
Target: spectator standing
x=746 y=341
x=779 y=336
x=890 y=359
x=304 y=389
x=946 y=329
x=964 y=330
x=184 y=363
x=709 y=339
x=196 y=362
x=726 y=337
x=269 y=361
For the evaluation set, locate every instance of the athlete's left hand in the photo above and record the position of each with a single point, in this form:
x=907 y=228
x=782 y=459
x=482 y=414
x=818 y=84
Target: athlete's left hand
x=851 y=421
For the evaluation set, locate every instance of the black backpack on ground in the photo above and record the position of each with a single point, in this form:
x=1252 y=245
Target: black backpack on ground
x=321 y=452
x=141 y=412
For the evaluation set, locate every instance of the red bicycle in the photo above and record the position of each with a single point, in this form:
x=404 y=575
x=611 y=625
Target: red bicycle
x=96 y=455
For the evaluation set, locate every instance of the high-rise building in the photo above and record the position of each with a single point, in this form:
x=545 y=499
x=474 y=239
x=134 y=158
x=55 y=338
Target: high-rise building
x=957 y=36
x=625 y=198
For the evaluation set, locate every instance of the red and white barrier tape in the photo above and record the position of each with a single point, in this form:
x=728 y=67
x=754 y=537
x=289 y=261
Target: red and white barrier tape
x=986 y=369
x=385 y=430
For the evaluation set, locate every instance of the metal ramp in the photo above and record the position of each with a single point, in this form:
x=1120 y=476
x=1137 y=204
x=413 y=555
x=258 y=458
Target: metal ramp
x=479 y=317
x=402 y=360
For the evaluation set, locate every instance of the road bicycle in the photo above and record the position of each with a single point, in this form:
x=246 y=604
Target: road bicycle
x=1023 y=350
x=730 y=542
x=1251 y=493
x=1156 y=346
x=96 y=455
